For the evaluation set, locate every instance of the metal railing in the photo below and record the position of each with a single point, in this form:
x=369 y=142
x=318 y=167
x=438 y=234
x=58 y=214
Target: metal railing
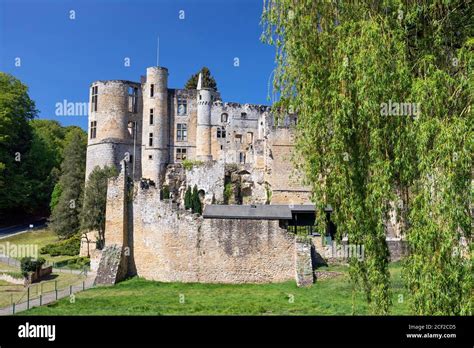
x=37 y=294
x=46 y=292
x=10 y=261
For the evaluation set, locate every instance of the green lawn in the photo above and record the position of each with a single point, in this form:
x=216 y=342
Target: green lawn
x=137 y=296
x=40 y=238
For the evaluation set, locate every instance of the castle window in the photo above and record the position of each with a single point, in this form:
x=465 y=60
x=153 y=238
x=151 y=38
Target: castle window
x=241 y=157
x=243 y=115
x=151 y=116
x=249 y=137
x=94 y=98
x=221 y=132
x=93 y=129
x=224 y=117
x=181 y=132
x=182 y=106
x=180 y=154
x=152 y=90
x=238 y=138
x=132 y=99
x=150 y=140
x=150 y=157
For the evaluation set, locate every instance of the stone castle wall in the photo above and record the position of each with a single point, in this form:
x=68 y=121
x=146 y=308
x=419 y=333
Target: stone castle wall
x=110 y=153
x=173 y=245
x=152 y=238
x=242 y=134
x=209 y=177
x=282 y=176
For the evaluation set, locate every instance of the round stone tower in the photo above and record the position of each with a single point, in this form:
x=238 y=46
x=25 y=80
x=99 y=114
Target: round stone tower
x=155 y=136
x=109 y=137
x=203 y=131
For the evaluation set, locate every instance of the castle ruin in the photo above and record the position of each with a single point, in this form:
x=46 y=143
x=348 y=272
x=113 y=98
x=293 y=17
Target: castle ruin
x=239 y=157
x=156 y=129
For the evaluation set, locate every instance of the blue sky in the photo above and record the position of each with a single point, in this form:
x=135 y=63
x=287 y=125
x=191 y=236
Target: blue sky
x=60 y=57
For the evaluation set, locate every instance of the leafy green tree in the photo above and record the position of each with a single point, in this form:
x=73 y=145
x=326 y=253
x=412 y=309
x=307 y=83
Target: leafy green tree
x=337 y=64
x=65 y=216
x=28 y=264
x=196 y=206
x=42 y=162
x=55 y=196
x=188 y=198
x=31 y=152
x=95 y=200
x=165 y=192
x=16 y=109
x=208 y=80
x=438 y=271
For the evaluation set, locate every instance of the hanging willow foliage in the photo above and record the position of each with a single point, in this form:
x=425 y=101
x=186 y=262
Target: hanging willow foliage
x=339 y=64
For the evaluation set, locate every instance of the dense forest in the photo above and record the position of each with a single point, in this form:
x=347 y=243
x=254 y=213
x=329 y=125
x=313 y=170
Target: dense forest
x=32 y=152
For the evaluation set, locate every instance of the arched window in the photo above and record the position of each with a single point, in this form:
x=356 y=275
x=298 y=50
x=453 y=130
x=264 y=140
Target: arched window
x=224 y=117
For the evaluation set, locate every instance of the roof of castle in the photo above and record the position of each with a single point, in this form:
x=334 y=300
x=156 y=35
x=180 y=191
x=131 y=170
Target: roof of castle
x=262 y=212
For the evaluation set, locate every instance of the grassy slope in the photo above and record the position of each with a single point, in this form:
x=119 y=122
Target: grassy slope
x=141 y=297
x=16 y=292
x=39 y=238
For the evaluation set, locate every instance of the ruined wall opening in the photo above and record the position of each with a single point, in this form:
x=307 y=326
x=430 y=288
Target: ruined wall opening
x=133 y=99
x=202 y=195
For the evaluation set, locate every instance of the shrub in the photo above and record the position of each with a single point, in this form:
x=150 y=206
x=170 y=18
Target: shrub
x=228 y=191
x=196 y=202
x=69 y=247
x=188 y=198
x=28 y=264
x=165 y=191
x=189 y=164
x=268 y=192
x=74 y=263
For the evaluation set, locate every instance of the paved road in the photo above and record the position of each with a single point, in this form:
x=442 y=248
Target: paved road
x=6 y=231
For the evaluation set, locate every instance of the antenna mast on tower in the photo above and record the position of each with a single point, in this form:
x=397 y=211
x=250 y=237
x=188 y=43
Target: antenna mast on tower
x=158 y=51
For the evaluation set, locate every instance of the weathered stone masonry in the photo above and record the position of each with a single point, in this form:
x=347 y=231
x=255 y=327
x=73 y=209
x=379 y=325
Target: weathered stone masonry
x=155 y=128
x=235 y=154
x=166 y=244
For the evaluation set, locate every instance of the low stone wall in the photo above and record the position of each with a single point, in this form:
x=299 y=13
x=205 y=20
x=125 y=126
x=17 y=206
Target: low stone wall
x=171 y=245
x=304 y=265
x=36 y=276
x=153 y=239
x=89 y=249
x=337 y=253
x=10 y=279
